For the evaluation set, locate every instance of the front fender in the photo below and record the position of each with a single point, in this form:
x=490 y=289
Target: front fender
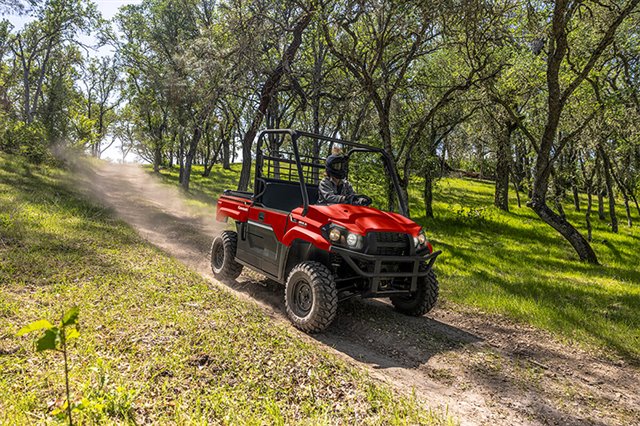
x=303 y=234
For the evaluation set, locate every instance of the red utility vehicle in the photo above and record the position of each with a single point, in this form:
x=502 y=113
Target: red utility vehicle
x=322 y=253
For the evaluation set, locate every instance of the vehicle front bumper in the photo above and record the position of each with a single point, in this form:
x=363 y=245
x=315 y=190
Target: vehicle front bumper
x=378 y=274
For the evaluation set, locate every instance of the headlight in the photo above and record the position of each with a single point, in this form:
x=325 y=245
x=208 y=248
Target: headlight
x=353 y=240
x=420 y=240
x=339 y=236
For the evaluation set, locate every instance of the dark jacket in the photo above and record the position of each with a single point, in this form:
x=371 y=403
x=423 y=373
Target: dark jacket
x=330 y=193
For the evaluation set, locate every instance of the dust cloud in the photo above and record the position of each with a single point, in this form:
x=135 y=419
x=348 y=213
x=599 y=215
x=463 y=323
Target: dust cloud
x=159 y=212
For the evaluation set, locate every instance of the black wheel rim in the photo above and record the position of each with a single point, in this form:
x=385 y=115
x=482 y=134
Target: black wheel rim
x=302 y=298
x=218 y=255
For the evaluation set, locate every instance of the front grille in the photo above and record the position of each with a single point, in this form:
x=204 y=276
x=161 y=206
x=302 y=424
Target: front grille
x=388 y=243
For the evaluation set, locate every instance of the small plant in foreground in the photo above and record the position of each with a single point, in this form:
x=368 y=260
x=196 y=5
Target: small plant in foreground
x=56 y=339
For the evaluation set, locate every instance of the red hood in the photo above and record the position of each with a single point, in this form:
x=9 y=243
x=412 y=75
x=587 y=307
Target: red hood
x=361 y=219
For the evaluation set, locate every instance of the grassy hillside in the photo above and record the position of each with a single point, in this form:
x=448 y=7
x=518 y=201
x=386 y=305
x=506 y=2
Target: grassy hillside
x=515 y=265
x=158 y=343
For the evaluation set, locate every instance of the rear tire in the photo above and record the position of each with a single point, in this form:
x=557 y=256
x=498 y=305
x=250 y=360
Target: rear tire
x=311 y=298
x=423 y=300
x=223 y=254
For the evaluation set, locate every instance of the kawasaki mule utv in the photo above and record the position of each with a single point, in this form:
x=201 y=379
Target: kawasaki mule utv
x=324 y=254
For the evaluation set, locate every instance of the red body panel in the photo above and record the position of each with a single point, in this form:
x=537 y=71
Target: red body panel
x=275 y=218
x=289 y=227
x=234 y=207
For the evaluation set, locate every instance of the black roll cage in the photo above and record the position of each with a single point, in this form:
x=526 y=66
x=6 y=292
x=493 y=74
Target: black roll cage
x=355 y=147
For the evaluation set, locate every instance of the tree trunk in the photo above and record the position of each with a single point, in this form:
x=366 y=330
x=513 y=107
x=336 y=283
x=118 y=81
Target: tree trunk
x=558 y=203
x=234 y=151
x=385 y=135
x=516 y=190
x=40 y=82
x=628 y=210
x=209 y=163
x=212 y=152
x=318 y=64
x=428 y=194
x=480 y=159
x=606 y=165
x=556 y=99
x=557 y=198
x=191 y=153
x=635 y=201
x=588 y=182
x=587 y=215
x=520 y=166
x=186 y=176
x=384 y=129
x=625 y=190
x=599 y=191
x=601 y=204
x=571 y=234
x=542 y=172
x=576 y=196
x=157 y=157
x=266 y=95
x=181 y=156
x=392 y=196
x=503 y=167
x=225 y=154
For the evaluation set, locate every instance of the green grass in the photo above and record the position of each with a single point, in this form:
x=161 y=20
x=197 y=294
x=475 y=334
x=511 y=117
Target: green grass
x=158 y=343
x=513 y=264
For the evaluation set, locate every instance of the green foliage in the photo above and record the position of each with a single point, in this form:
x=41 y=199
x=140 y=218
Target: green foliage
x=56 y=339
x=38 y=64
x=35 y=326
x=28 y=140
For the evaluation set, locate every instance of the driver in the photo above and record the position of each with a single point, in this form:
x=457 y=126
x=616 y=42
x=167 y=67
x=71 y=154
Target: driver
x=334 y=188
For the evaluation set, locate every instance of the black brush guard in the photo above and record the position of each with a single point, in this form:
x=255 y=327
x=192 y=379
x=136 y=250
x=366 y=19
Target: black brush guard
x=378 y=262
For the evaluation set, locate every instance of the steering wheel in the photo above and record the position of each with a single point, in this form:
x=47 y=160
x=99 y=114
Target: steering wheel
x=362 y=200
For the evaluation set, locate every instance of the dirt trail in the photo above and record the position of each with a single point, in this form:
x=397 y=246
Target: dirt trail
x=482 y=370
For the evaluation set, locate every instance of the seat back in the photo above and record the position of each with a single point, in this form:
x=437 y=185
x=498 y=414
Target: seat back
x=286 y=196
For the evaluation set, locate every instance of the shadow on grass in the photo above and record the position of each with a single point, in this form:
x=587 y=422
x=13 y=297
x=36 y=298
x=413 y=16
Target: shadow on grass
x=614 y=250
x=574 y=307
x=528 y=273
x=486 y=230
x=577 y=311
